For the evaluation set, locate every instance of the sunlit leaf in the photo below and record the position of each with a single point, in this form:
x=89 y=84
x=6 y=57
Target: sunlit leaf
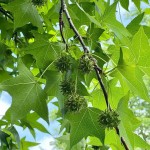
x=27 y=13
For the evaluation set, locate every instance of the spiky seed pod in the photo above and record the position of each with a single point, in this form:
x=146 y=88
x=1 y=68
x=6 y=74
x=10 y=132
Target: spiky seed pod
x=75 y=103
x=109 y=119
x=86 y=64
x=38 y=2
x=63 y=63
x=67 y=87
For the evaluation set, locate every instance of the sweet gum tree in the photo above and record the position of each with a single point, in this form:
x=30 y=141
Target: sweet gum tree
x=80 y=54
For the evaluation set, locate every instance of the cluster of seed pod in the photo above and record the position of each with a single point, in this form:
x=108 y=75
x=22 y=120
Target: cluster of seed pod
x=74 y=102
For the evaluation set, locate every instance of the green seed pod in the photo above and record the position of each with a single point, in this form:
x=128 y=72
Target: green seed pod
x=86 y=64
x=67 y=87
x=75 y=103
x=38 y=2
x=109 y=119
x=63 y=63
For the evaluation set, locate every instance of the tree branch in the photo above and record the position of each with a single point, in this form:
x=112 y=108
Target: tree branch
x=102 y=86
x=122 y=140
x=97 y=69
x=61 y=23
x=73 y=27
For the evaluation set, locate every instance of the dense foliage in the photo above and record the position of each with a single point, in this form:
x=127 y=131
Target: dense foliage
x=77 y=52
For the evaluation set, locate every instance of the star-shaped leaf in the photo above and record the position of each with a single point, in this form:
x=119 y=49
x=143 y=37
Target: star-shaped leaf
x=109 y=19
x=44 y=51
x=137 y=64
x=85 y=123
x=133 y=76
x=140 y=49
x=24 y=12
x=26 y=95
x=134 y=25
x=128 y=124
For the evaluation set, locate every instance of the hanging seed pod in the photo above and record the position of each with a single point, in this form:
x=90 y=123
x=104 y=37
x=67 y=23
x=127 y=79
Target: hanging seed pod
x=67 y=87
x=109 y=119
x=63 y=63
x=75 y=103
x=86 y=64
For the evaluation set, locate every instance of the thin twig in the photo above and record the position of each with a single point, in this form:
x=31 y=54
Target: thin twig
x=122 y=140
x=103 y=87
x=73 y=27
x=61 y=23
x=6 y=13
x=110 y=70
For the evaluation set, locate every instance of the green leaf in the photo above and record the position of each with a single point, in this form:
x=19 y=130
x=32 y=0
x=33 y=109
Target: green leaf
x=93 y=34
x=4 y=76
x=75 y=52
x=125 y=4
x=24 y=12
x=113 y=140
x=140 y=49
x=81 y=18
x=91 y=18
x=16 y=135
x=146 y=1
x=128 y=122
x=31 y=129
x=3 y=123
x=97 y=99
x=26 y=93
x=65 y=139
x=6 y=28
x=89 y=77
x=139 y=142
x=81 y=89
x=134 y=25
x=44 y=51
x=94 y=141
x=6 y=58
x=137 y=3
x=116 y=91
x=5 y=1
x=83 y=124
x=147 y=31
x=32 y=120
x=134 y=77
x=109 y=19
x=53 y=79
x=3 y=138
x=26 y=144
